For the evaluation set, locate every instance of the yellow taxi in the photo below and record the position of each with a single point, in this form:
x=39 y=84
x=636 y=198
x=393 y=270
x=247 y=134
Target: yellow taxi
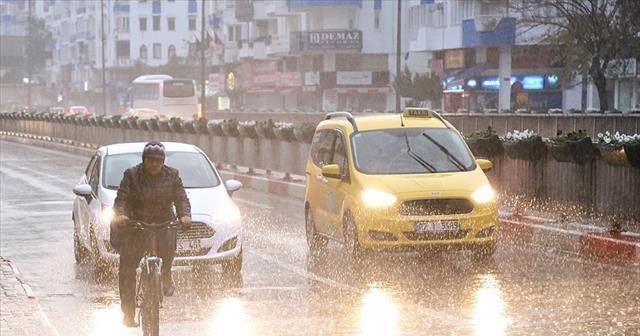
x=397 y=182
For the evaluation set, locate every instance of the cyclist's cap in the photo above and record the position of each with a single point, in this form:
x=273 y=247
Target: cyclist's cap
x=153 y=149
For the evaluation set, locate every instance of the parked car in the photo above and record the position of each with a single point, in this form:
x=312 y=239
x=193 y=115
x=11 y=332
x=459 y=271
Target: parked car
x=77 y=111
x=397 y=182
x=215 y=236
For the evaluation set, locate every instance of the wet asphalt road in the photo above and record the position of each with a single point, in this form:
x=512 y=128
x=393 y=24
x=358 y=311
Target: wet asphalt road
x=526 y=290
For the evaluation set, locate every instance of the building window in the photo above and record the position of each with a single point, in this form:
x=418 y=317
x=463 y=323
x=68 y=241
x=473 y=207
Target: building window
x=157 y=51
x=122 y=24
x=122 y=48
x=289 y=64
x=156 y=23
x=143 y=53
x=143 y=24
x=376 y=20
x=171 y=23
x=192 y=22
x=171 y=52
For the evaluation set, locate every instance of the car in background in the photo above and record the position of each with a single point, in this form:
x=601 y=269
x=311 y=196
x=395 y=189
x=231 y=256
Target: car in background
x=215 y=236
x=397 y=182
x=77 y=111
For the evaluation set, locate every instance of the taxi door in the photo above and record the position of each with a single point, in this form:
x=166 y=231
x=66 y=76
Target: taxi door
x=337 y=188
x=317 y=189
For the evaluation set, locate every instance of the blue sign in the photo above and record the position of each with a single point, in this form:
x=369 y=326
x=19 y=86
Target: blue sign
x=533 y=82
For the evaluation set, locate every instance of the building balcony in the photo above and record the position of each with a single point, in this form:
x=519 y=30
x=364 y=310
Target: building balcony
x=276 y=8
x=246 y=49
x=231 y=52
x=280 y=45
x=488 y=30
x=259 y=50
x=323 y=40
x=311 y=4
x=123 y=62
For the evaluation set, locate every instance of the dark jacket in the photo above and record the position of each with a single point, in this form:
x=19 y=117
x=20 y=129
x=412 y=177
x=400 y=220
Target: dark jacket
x=151 y=198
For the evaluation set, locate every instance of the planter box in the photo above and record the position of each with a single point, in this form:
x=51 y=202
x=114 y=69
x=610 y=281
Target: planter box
x=486 y=147
x=633 y=154
x=528 y=150
x=579 y=151
x=613 y=156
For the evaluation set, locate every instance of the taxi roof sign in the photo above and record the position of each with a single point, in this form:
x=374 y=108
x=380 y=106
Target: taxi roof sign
x=414 y=112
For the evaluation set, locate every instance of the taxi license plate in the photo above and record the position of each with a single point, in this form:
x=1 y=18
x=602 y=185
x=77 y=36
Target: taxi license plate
x=436 y=226
x=184 y=245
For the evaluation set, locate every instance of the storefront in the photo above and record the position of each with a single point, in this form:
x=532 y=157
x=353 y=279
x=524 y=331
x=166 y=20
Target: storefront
x=534 y=92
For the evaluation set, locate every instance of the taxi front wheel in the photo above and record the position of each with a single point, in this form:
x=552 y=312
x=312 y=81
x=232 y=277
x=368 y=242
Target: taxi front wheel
x=351 y=243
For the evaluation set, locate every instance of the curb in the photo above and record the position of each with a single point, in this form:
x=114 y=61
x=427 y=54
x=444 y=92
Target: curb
x=588 y=242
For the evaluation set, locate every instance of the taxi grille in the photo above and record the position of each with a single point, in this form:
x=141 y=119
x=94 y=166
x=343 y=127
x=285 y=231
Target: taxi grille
x=198 y=230
x=447 y=235
x=436 y=206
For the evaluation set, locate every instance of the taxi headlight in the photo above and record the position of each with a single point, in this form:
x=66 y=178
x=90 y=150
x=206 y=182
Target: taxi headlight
x=107 y=214
x=226 y=213
x=377 y=198
x=484 y=194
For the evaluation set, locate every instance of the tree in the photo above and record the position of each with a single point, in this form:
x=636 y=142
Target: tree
x=419 y=87
x=589 y=37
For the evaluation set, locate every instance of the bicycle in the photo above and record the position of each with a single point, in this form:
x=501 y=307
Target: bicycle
x=149 y=289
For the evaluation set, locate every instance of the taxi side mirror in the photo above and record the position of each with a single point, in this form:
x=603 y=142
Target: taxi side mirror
x=485 y=165
x=331 y=171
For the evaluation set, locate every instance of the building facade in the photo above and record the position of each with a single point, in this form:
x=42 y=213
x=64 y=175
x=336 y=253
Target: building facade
x=321 y=55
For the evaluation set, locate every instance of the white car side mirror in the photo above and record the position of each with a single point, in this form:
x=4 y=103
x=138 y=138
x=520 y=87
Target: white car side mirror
x=233 y=186
x=83 y=190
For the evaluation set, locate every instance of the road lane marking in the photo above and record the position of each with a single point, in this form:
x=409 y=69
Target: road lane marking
x=39 y=173
x=40 y=185
x=254 y=204
x=330 y=282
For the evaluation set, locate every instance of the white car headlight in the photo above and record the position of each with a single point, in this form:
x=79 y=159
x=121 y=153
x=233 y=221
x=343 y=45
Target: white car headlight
x=226 y=213
x=377 y=198
x=484 y=194
x=107 y=214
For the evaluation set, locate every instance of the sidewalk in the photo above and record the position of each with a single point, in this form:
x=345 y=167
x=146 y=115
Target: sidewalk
x=540 y=228
x=20 y=313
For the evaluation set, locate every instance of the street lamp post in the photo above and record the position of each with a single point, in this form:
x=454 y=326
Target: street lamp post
x=202 y=67
x=398 y=50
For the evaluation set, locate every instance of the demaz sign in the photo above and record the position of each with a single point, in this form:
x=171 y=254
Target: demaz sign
x=334 y=39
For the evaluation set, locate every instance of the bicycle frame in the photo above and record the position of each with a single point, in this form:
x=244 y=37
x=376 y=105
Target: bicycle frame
x=149 y=294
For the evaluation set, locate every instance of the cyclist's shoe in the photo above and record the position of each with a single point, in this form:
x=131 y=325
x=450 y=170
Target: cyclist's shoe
x=167 y=286
x=129 y=321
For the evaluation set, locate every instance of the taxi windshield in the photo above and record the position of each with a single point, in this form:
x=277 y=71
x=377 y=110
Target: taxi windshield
x=410 y=151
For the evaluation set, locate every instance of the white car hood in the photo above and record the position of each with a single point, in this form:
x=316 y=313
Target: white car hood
x=203 y=200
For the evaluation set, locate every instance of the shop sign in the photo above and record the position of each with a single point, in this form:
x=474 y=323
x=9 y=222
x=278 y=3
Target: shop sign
x=353 y=78
x=334 y=40
x=454 y=59
x=312 y=78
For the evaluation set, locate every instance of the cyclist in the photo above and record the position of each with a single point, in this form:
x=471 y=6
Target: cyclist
x=148 y=192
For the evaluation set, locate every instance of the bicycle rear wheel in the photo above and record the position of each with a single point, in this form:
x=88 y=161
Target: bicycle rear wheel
x=150 y=309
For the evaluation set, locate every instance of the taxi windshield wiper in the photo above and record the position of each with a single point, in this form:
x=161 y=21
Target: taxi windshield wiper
x=451 y=157
x=418 y=158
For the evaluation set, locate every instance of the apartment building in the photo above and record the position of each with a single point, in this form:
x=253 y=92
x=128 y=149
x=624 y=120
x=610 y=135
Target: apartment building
x=490 y=62
x=146 y=32
x=309 y=55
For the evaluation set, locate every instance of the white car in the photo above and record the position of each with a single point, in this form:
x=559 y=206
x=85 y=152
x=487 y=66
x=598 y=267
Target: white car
x=215 y=234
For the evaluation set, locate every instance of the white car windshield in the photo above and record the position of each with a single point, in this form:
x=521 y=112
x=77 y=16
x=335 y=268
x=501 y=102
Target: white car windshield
x=410 y=151
x=195 y=170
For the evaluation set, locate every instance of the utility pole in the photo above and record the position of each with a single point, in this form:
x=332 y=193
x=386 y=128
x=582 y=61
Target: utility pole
x=104 y=75
x=398 y=50
x=29 y=57
x=203 y=104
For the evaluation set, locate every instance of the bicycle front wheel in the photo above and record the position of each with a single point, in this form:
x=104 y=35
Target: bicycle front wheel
x=150 y=309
